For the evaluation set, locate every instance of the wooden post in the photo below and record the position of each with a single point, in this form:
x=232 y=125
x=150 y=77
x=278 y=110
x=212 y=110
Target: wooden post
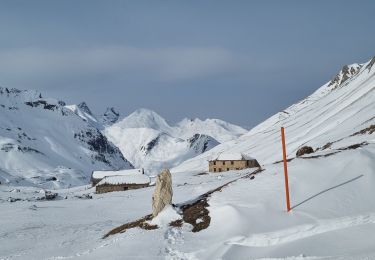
x=285 y=170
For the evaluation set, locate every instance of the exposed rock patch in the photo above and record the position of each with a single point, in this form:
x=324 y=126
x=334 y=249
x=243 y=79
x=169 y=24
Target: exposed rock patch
x=345 y=73
x=141 y=223
x=353 y=146
x=304 y=150
x=368 y=130
x=371 y=63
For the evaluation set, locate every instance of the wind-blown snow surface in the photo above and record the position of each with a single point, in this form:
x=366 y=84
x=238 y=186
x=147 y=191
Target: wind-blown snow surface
x=148 y=141
x=44 y=143
x=333 y=215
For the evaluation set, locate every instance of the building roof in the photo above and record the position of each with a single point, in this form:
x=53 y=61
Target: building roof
x=102 y=174
x=233 y=157
x=125 y=179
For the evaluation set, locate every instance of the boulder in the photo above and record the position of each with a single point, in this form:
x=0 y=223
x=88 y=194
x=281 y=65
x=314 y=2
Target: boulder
x=163 y=192
x=50 y=195
x=304 y=150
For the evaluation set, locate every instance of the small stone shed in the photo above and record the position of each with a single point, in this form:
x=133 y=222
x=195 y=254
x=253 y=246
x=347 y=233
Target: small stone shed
x=97 y=176
x=232 y=161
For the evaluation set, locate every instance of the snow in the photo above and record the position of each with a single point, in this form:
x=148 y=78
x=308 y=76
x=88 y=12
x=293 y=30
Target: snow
x=102 y=174
x=233 y=157
x=125 y=179
x=166 y=216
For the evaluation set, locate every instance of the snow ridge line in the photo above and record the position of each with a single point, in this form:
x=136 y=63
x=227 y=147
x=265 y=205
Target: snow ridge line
x=301 y=232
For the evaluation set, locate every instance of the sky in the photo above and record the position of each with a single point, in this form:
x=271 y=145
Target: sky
x=239 y=61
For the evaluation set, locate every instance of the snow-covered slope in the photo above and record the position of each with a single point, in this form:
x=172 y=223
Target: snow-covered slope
x=327 y=120
x=148 y=141
x=44 y=143
x=220 y=130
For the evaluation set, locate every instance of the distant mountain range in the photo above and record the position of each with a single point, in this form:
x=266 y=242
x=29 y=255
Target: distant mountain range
x=46 y=143
x=147 y=140
x=43 y=142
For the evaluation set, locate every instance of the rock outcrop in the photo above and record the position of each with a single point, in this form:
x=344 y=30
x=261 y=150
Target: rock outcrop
x=304 y=150
x=110 y=116
x=163 y=192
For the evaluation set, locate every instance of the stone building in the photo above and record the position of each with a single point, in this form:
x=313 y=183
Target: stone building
x=234 y=161
x=97 y=176
x=122 y=183
x=108 y=181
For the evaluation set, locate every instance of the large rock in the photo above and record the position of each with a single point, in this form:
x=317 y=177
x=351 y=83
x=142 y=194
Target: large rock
x=163 y=192
x=304 y=150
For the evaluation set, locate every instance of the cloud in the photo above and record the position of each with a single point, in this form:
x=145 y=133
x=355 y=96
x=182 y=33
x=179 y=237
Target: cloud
x=163 y=64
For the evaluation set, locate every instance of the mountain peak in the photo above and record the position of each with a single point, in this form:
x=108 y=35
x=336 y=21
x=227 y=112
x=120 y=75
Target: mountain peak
x=84 y=107
x=345 y=73
x=145 y=118
x=370 y=64
x=110 y=116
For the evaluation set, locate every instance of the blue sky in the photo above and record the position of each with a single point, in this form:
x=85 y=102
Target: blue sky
x=239 y=61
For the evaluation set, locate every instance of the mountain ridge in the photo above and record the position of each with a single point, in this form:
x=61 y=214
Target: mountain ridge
x=311 y=121
x=148 y=141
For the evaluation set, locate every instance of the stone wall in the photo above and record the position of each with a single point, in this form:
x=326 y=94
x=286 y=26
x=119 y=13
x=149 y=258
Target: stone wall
x=118 y=187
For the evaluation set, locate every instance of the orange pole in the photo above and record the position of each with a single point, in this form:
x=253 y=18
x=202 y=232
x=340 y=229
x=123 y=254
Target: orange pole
x=285 y=170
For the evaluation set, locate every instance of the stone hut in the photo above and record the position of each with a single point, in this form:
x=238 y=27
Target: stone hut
x=97 y=176
x=122 y=183
x=234 y=161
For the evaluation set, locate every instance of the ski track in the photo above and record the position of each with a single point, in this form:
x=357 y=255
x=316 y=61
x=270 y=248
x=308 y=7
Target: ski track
x=301 y=232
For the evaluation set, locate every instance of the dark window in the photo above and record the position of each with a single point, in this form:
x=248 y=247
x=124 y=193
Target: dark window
x=223 y=162
x=214 y=163
x=219 y=169
x=227 y=169
x=232 y=162
x=126 y=188
x=237 y=168
x=214 y=169
x=247 y=163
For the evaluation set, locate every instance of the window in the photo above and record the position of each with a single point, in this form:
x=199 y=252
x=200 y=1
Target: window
x=247 y=163
x=219 y=169
x=227 y=169
x=214 y=169
x=223 y=162
x=237 y=169
x=214 y=162
x=126 y=188
x=231 y=162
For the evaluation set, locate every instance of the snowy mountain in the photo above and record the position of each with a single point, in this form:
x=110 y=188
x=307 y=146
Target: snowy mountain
x=43 y=142
x=148 y=141
x=327 y=120
x=231 y=215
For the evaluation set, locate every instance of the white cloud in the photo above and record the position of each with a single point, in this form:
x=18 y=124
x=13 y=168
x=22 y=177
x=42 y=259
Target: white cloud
x=164 y=64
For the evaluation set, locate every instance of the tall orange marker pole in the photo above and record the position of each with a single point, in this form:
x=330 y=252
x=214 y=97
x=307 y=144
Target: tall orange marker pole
x=285 y=170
